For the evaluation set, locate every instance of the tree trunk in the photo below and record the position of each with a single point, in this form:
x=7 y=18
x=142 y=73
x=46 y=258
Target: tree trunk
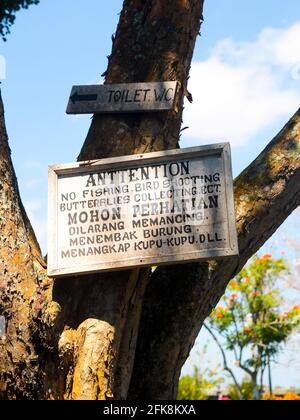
x=256 y=392
x=20 y=283
x=270 y=378
x=179 y=299
x=76 y=338
x=86 y=330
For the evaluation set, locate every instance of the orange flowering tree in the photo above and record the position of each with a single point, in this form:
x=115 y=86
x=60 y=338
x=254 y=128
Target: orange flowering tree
x=251 y=321
x=289 y=396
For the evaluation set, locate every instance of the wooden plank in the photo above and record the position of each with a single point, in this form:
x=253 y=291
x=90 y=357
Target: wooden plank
x=121 y=98
x=159 y=208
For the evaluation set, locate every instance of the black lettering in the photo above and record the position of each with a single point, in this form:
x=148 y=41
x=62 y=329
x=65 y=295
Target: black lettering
x=72 y=219
x=217 y=238
x=126 y=97
x=65 y=254
x=91 y=182
x=145 y=173
x=202 y=239
x=110 y=95
x=117 y=96
x=213 y=201
x=174 y=169
x=83 y=217
x=137 y=95
x=159 y=95
x=123 y=94
x=146 y=94
x=168 y=99
x=132 y=177
x=94 y=216
x=185 y=168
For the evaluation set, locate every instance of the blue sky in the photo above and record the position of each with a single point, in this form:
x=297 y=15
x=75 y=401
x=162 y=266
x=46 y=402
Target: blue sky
x=245 y=81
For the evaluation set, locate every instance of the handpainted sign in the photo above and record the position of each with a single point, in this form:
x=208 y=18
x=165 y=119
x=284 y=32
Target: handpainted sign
x=130 y=97
x=159 y=208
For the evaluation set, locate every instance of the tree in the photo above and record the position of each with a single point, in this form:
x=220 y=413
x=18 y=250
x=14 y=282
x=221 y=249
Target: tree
x=202 y=383
x=289 y=396
x=251 y=320
x=198 y=386
x=135 y=329
x=243 y=391
x=8 y=9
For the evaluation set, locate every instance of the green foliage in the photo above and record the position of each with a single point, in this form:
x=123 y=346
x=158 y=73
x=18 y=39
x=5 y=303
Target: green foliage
x=246 y=389
x=8 y=9
x=198 y=386
x=202 y=383
x=251 y=319
x=191 y=388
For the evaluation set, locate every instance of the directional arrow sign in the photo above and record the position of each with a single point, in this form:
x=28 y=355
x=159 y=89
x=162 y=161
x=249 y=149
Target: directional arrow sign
x=130 y=97
x=83 y=98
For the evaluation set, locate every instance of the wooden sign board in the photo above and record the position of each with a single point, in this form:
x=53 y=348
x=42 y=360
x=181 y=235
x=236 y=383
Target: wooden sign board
x=131 y=97
x=142 y=210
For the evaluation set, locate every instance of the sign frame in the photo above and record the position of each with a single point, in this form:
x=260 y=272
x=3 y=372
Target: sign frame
x=131 y=97
x=54 y=172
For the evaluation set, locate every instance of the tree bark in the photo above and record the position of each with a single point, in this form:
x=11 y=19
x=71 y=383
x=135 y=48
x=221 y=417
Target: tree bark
x=20 y=283
x=270 y=378
x=75 y=338
x=178 y=299
x=154 y=42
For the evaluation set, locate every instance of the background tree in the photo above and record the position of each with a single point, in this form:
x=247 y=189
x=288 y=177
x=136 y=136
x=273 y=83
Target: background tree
x=135 y=329
x=244 y=391
x=202 y=383
x=8 y=9
x=198 y=386
x=252 y=322
x=289 y=396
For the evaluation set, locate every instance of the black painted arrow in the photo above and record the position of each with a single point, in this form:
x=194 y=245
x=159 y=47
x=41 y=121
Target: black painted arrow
x=83 y=98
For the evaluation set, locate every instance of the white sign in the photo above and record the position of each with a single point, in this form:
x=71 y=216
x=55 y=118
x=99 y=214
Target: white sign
x=159 y=208
x=129 y=97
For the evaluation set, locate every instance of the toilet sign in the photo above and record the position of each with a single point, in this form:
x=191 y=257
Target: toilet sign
x=130 y=97
x=159 y=208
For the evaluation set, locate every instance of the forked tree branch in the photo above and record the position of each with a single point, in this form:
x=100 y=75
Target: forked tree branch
x=52 y=330
x=225 y=364
x=178 y=299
